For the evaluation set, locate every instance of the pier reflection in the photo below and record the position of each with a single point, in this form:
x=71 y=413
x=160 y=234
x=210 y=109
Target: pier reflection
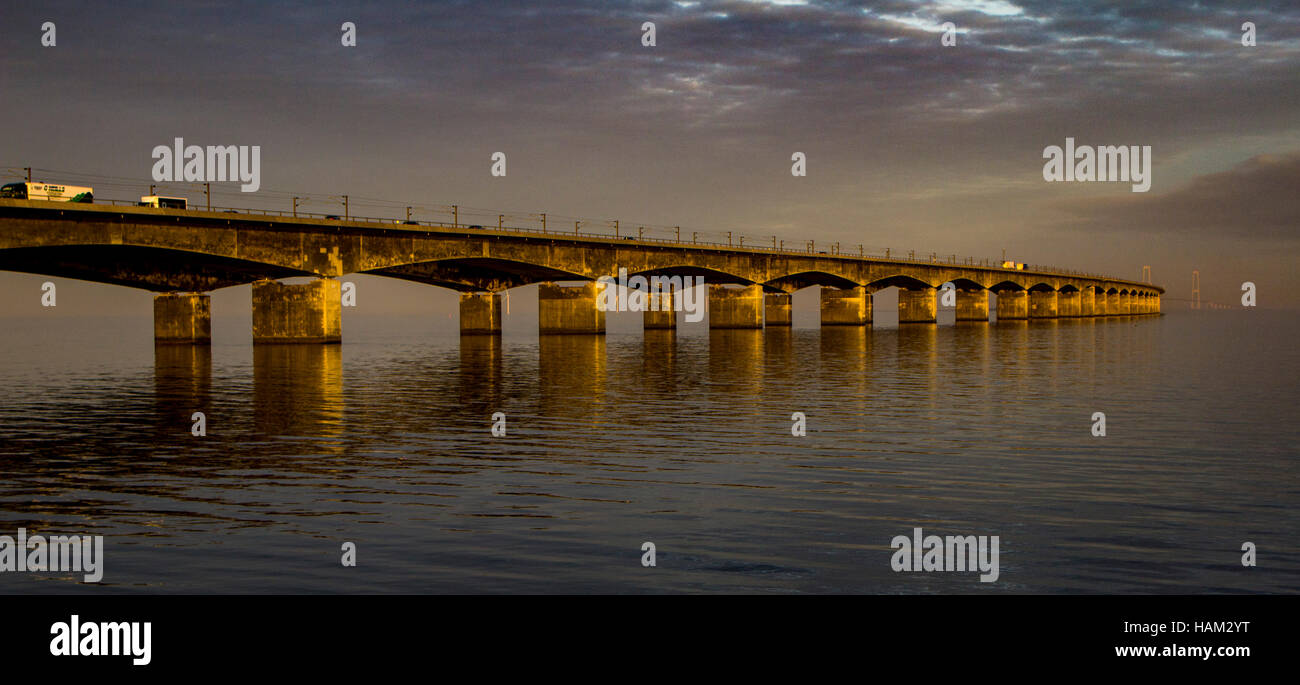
x=736 y=362
x=298 y=390
x=182 y=379
x=480 y=373
x=571 y=375
x=659 y=358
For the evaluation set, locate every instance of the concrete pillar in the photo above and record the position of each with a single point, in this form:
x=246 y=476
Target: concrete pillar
x=1013 y=304
x=846 y=307
x=570 y=309
x=182 y=318
x=1126 y=303
x=777 y=309
x=298 y=313
x=1088 y=302
x=1112 y=304
x=1042 y=304
x=1068 y=303
x=480 y=314
x=1155 y=303
x=659 y=312
x=972 y=305
x=735 y=307
x=916 y=306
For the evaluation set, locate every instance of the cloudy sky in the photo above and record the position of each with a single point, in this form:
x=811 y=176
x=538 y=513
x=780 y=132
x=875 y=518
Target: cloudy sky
x=910 y=144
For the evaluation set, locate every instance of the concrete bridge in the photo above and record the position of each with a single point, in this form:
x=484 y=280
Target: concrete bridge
x=182 y=254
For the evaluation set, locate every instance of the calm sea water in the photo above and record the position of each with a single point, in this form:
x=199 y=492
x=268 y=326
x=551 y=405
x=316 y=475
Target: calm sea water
x=682 y=440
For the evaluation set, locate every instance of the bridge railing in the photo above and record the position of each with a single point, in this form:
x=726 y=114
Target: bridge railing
x=777 y=246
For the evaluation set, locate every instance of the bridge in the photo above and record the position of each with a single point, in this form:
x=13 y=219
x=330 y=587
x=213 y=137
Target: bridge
x=183 y=254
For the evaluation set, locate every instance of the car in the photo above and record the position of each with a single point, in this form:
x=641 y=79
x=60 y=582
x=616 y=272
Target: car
x=410 y=223
x=333 y=217
x=477 y=226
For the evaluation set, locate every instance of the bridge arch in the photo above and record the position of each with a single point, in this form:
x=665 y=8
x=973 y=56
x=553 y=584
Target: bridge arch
x=1006 y=286
x=966 y=284
x=899 y=281
x=477 y=274
x=805 y=279
x=157 y=269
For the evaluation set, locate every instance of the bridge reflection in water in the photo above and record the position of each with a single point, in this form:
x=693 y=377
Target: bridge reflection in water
x=298 y=390
x=618 y=439
x=182 y=381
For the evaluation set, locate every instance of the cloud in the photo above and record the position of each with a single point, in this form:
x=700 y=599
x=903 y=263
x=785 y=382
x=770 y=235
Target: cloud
x=1258 y=199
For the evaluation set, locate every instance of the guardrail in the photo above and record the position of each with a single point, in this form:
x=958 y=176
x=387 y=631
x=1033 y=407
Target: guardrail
x=777 y=246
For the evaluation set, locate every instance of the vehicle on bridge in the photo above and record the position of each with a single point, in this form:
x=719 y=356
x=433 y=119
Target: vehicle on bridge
x=51 y=192
x=164 y=202
x=1018 y=266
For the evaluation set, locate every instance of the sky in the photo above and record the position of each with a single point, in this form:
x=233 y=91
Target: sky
x=910 y=144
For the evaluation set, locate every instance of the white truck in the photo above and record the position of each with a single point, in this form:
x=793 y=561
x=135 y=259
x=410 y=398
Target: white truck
x=163 y=202
x=50 y=192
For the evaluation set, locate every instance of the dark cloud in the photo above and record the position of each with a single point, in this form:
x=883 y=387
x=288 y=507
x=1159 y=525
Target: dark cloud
x=1258 y=199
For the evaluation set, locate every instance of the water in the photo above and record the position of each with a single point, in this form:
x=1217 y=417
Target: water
x=684 y=441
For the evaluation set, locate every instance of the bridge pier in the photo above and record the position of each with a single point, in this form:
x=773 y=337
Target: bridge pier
x=846 y=306
x=659 y=313
x=972 y=305
x=480 y=313
x=917 y=306
x=1069 y=303
x=297 y=313
x=570 y=309
x=1042 y=304
x=735 y=307
x=182 y=318
x=1013 y=305
x=1088 y=301
x=1126 y=303
x=1155 y=304
x=1112 y=304
x=777 y=309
